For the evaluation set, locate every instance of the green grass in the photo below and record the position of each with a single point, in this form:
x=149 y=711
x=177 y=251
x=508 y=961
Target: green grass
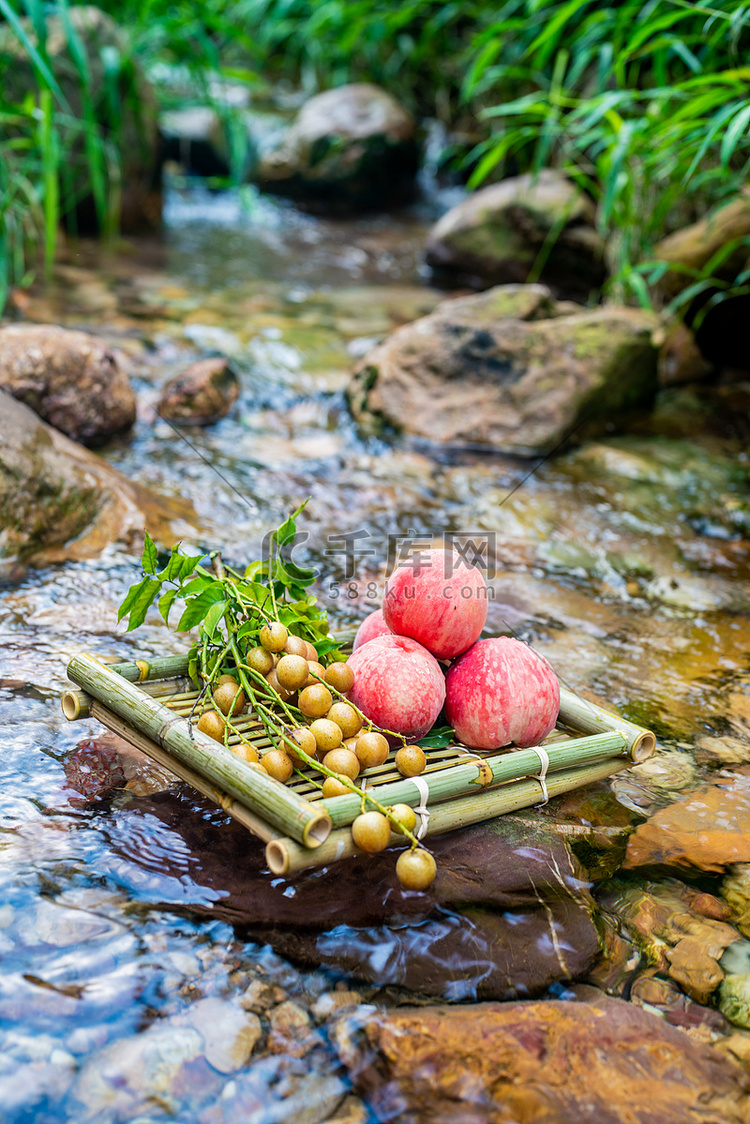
x=645 y=104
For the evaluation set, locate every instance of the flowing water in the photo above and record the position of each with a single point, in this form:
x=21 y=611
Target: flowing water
x=625 y=562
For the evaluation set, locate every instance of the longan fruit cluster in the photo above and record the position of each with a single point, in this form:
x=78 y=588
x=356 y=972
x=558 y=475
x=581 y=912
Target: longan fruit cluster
x=334 y=736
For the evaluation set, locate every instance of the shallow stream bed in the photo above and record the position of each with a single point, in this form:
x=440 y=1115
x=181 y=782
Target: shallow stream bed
x=127 y=993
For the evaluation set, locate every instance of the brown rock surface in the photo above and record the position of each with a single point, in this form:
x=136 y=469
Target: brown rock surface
x=490 y=370
x=694 y=246
x=496 y=234
x=351 y=148
x=680 y=359
x=708 y=830
x=201 y=395
x=508 y=915
x=59 y=501
x=606 y=1062
x=71 y=379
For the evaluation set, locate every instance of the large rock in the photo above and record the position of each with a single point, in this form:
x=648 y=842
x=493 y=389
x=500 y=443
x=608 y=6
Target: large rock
x=500 y=369
x=130 y=123
x=58 y=501
x=498 y=234
x=71 y=379
x=201 y=395
x=606 y=1062
x=693 y=247
x=508 y=915
x=350 y=149
x=708 y=830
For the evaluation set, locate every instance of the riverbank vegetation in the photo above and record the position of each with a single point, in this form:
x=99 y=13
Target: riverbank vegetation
x=644 y=105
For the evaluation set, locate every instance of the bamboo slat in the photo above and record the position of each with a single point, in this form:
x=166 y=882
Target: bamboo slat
x=585 y=717
x=284 y=810
x=475 y=774
x=285 y=856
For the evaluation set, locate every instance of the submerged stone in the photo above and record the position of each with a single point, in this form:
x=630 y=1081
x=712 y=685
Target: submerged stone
x=605 y=1062
x=708 y=830
x=201 y=395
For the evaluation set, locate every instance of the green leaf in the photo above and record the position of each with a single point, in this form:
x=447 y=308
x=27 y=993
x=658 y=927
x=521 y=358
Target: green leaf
x=147 y=592
x=149 y=557
x=213 y=616
x=165 y=603
x=287 y=532
x=438 y=738
x=733 y=134
x=197 y=607
x=131 y=597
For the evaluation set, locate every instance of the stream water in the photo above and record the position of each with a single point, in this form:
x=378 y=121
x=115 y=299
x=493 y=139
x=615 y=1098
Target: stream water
x=625 y=562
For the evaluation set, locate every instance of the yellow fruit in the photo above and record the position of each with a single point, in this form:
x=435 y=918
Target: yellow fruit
x=332 y=787
x=406 y=815
x=410 y=761
x=315 y=701
x=340 y=676
x=345 y=716
x=260 y=660
x=416 y=869
x=305 y=739
x=292 y=672
x=229 y=698
x=342 y=761
x=372 y=749
x=274 y=637
x=278 y=765
x=371 y=832
x=327 y=735
x=212 y=723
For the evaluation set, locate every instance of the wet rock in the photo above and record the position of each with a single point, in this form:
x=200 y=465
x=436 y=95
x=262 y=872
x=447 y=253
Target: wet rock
x=261 y=995
x=734 y=994
x=694 y=246
x=350 y=149
x=722 y=751
x=708 y=830
x=71 y=379
x=508 y=915
x=59 y=501
x=291 y=1030
x=229 y=1034
x=735 y=890
x=496 y=235
x=332 y=1002
x=668 y=923
x=665 y=997
x=473 y=373
x=680 y=359
x=128 y=1076
x=201 y=395
x=194 y=138
x=606 y=1062
x=123 y=102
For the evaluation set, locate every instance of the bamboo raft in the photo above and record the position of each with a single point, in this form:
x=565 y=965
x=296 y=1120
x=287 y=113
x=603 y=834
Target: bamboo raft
x=149 y=703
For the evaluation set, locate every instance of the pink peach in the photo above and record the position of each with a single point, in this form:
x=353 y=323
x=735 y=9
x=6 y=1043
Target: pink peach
x=397 y=684
x=437 y=599
x=501 y=691
x=371 y=626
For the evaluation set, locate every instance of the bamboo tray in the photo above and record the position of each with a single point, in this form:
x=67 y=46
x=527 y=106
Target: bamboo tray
x=149 y=704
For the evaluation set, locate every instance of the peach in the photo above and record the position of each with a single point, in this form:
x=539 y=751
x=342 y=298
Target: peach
x=398 y=685
x=371 y=626
x=438 y=600
x=501 y=691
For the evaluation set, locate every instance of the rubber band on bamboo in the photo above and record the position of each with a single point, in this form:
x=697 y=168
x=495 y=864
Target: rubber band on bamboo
x=541 y=776
x=422 y=810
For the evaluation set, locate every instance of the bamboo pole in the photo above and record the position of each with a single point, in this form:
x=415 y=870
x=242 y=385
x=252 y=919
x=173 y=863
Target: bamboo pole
x=160 y=667
x=232 y=807
x=77 y=704
x=285 y=856
x=585 y=717
x=463 y=778
x=283 y=809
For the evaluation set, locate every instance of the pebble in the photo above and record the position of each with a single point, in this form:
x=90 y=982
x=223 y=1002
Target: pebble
x=260 y=996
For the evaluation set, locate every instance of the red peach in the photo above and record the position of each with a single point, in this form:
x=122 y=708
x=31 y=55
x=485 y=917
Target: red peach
x=397 y=684
x=437 y=599
x=371 y=626
x=501 y=691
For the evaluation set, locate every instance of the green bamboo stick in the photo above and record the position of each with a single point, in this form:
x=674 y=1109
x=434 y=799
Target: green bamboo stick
x=285 y=856
x=587 y=718
x=234 y=808
x=283 y=809
x=77 y=704
x=463 y=778
x=160 y=667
